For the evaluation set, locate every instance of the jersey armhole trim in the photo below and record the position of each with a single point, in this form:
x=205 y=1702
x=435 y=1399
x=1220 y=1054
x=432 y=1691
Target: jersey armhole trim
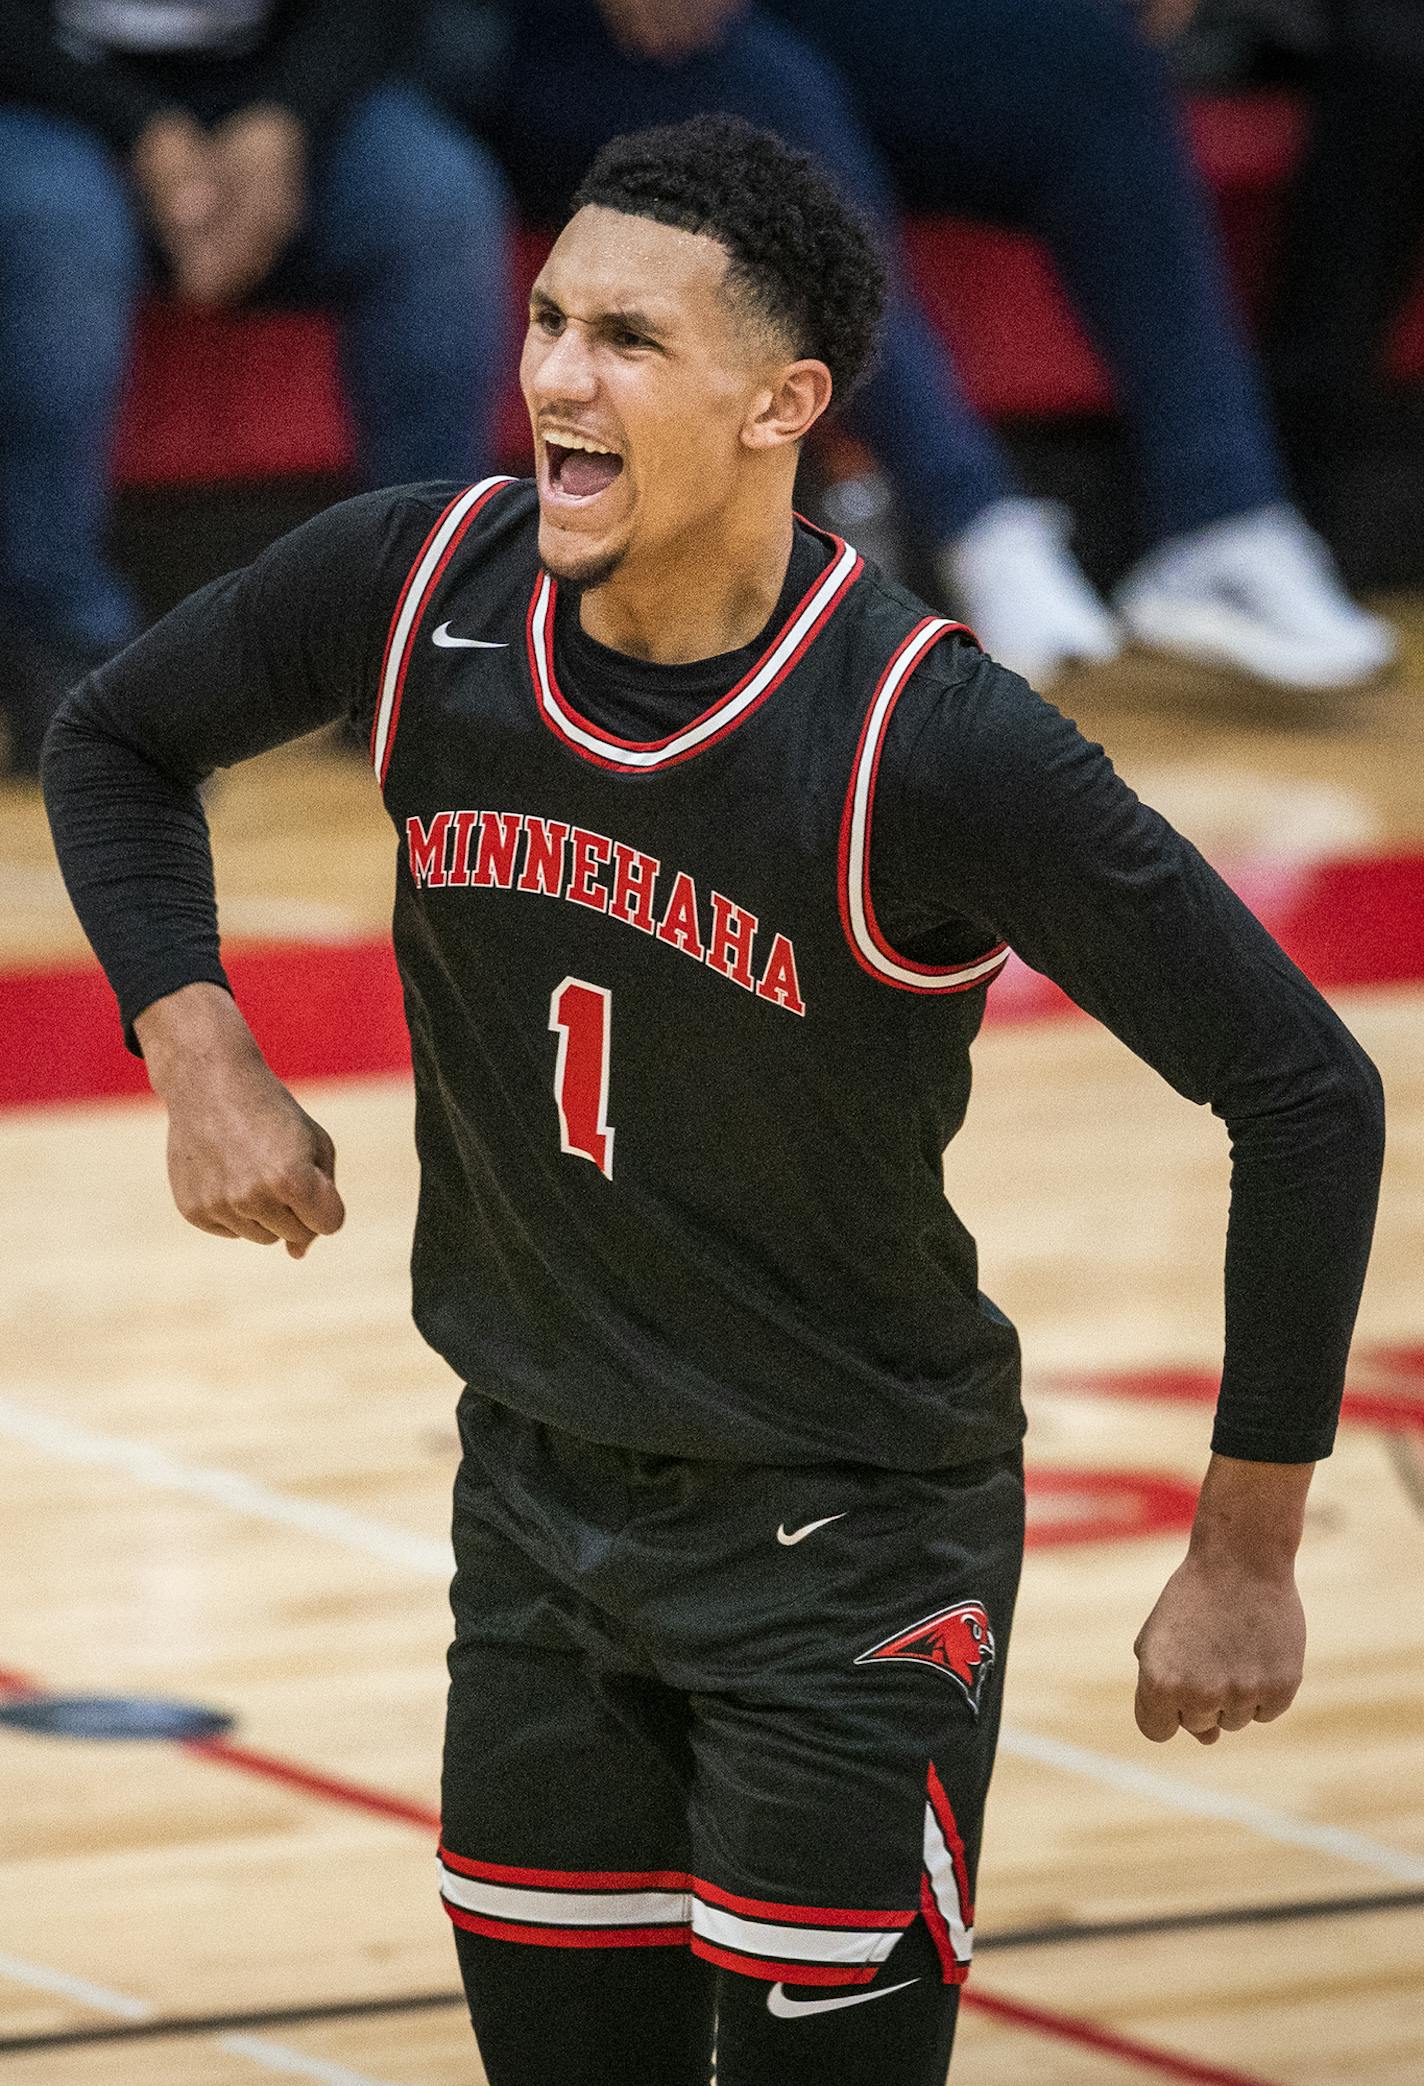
x=862 y=930
x=420 y=583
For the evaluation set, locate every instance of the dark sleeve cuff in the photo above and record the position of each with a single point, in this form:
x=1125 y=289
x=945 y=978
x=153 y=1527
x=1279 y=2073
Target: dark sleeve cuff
x=156 y=985
x=1252 y=1447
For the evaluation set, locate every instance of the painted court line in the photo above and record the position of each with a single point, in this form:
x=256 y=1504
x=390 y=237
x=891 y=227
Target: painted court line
x=170 y=2027
x=1156 y=1787
x=272 y=2057
x=355 y=1796
x=148 y=1465
x=79 y=1989
x=1190 y=2071
x=138 y=1460
x=276 y=2057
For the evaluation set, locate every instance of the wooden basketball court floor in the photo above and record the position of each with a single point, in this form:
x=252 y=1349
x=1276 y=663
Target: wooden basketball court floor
x=225 y=1477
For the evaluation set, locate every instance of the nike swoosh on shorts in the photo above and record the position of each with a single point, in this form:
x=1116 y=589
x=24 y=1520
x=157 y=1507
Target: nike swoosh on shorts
x=479 y=644
x=788 y=2009
x=809 y=1529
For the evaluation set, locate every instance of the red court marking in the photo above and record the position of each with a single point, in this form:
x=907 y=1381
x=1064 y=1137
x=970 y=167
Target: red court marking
x=1405 y=1362
x=1116 y=1505
x=1399 y=1413
x=268 y=1767
x=1069 y=2029
x=332 y=1789
x=320 y=1011
x=333 y=1010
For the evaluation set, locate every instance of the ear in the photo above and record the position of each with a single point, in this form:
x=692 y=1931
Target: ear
x=789 y=407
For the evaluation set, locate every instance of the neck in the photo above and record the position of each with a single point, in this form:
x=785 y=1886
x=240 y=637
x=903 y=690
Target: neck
x=694 y=606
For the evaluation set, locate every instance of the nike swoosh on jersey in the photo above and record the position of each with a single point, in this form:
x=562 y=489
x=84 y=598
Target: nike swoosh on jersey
x=479 y=644
x=788 y=2009
x=809 y=1529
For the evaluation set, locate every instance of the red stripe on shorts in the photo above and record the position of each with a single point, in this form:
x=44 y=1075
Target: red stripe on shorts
x=782 y=1973
x=567 y=1937
x=801 y=1915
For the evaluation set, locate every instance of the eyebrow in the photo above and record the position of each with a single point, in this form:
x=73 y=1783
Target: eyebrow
x=623 y=318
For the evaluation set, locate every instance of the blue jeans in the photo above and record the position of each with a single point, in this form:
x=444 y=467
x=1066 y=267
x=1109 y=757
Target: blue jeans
x=1058 y=117
x=407 y=235
x=1050 y=114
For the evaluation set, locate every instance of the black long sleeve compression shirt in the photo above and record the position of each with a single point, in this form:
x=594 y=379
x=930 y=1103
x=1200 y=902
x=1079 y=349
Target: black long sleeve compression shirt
x=995 y=819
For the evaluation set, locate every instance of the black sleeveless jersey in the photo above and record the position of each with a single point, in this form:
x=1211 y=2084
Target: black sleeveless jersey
x=680 y=1108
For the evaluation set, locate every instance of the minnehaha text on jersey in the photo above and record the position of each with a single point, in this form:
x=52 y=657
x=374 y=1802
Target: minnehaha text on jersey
x=549 y=858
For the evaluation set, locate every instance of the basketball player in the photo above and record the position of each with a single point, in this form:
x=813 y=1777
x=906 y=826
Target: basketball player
x=709 y=843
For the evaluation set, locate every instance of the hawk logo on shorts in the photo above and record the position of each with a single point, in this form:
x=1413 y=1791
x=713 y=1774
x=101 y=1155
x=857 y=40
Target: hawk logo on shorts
x=957 y=1642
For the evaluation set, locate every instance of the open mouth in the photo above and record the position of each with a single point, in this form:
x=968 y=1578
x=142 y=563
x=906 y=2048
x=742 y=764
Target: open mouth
x=581 y=473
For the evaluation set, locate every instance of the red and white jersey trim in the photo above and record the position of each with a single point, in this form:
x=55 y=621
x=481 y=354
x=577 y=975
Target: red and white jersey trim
x=750 y=692
x=435 y=554
x=868 y=944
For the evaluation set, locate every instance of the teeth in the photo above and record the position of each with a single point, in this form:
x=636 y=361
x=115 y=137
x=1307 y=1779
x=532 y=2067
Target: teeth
x=580 y=442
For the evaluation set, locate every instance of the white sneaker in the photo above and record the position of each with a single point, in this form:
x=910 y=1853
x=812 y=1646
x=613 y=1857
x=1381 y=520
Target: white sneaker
x=1021 y=591
x=1259 y=594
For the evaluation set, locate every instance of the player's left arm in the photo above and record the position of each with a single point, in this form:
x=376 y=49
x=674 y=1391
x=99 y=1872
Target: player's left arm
x=997 y=811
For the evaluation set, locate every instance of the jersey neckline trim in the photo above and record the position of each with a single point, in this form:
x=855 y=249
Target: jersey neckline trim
x=862 y=930
x=634 y=757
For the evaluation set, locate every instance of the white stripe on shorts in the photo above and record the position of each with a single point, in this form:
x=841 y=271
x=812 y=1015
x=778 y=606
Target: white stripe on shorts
x=562 y=1908
x=757 y=1937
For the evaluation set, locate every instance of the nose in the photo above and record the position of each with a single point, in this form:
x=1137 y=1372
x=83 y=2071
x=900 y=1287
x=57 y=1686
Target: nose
x=565 y=369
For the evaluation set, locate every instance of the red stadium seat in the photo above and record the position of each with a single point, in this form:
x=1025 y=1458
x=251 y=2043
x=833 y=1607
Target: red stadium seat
x=215 y=396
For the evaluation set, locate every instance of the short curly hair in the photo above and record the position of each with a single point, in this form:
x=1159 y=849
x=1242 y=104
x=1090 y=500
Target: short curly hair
x=803 y=259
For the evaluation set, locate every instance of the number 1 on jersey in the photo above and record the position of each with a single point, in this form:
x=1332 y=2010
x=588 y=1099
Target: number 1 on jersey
x=581 y=1016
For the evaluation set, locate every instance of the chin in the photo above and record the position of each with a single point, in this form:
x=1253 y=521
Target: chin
x=578 y=568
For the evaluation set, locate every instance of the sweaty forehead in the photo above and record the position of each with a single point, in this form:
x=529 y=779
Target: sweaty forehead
x=606 y=261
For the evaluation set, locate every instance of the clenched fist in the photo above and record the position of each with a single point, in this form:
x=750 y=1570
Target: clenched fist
x=1220 y=1650
x=245 y=1161
x=1225 y=1645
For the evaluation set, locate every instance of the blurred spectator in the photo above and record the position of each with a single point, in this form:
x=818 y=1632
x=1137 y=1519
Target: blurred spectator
x=1245 y=43
x=1052 y=114
x=1059 y=117
x=1351 y=247
x=224 y=148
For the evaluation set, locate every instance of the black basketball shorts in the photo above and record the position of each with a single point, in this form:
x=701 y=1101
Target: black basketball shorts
x=748 y=1709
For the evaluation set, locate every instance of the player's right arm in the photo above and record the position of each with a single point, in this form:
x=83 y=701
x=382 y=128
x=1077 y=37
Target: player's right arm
x=260 y=657
x=245 y=1160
